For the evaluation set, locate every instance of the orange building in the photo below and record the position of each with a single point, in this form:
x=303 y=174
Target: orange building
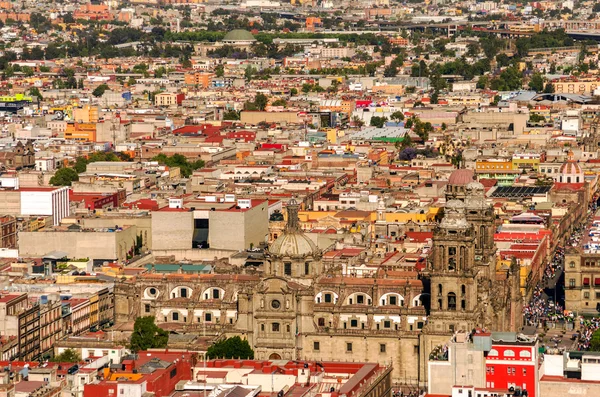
x=401 y=41
x=313 y=22
x=81 y=131
x=201 y=79
x=19 y=17
x=93 y=12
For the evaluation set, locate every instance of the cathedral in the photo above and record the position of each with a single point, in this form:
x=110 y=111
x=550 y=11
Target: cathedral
x=303 y=305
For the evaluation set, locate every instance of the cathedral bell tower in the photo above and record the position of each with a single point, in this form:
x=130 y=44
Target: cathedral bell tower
x=452 y=273
x=480 y=215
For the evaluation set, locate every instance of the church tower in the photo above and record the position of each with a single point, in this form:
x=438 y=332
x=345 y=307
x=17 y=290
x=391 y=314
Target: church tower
x=481 y=217
x=452 y=274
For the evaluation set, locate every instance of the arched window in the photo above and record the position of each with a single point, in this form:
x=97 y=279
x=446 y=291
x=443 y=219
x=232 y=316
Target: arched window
x=493 y=353
x=509 y=353
x=525 y=354
x=451 y=301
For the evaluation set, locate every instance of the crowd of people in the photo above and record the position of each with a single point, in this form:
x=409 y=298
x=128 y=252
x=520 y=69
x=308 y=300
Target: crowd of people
x=539 y=310
x=586 y=330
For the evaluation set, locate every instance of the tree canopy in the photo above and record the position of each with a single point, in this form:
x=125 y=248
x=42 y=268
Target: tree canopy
x=178 y=160
x=147 y=335
x=234 y=347
x=67 y=356
x=64 y=177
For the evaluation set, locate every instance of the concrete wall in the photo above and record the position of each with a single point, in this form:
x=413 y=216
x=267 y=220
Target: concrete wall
x=10 y=202
x=236 y=230
x=562 y=388
x=93 y=245
x=193 y=254
x=519 y=120
x=252 y=117
x=143 y=225
x=172 y=230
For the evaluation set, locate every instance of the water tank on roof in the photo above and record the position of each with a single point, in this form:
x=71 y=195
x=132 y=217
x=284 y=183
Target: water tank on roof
x=44 y=299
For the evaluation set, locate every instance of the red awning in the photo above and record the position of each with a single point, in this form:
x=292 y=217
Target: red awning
x=597 y=281
x=586 y=281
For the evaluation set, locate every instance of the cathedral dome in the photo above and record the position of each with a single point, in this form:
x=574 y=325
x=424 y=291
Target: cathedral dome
x=237 y=36
x=461 y=177
x=454 y=205
x=293 y=245
x=293 y=242
x=570 y=168
x=454 y=215
x=475 y=187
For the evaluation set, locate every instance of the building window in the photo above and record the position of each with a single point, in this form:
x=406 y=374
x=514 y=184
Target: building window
x=524 y=371
x=216 y=293
x=175 y=316
x=208 y=317
x=262 y=327
x=387 y=324
x=307 y=268
x=571 y=282
x=393 y=300
x=327 y=298
x=586 y=295
x=316 y=346
x=382 y=348
x=354 y=323
x=287 y=268
x=572 y=265
x=360 y=299
x=147 y=308
x=275 y=327
x=183 y=292
x=321 y=322
x=597 y=295
x=348 y=347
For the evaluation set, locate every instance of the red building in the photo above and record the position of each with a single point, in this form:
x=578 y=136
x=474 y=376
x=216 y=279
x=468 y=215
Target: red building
x=512 y=363
x=153 y=371
x=95 y=201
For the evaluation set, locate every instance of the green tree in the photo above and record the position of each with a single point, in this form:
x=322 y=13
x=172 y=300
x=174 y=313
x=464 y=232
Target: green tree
x=234 y=347
x=177 y=160
x=261 y=101
x=279 y=102
x=147 y=335
x=549 y=89
x=99 y=91
x=231 y=115
x=293 y=91
x=595 y=341
x=536 y=118
x=249 y=73
x=306 y=88
x=67 y=356
x=64 y=177
x=34 y=91
x=390 y=71
x=377 y=121
x=537 y=82
x=219 y=71
x=397 y=116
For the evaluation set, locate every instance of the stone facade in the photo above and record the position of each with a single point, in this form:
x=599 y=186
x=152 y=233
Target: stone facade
x=303 y=307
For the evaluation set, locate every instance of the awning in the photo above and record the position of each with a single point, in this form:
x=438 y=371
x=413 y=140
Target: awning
x=586 y=281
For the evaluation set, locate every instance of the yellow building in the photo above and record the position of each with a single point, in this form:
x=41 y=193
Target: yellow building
x=493 y=164
x=86 y=114
x=526 y=161
x=583 y=87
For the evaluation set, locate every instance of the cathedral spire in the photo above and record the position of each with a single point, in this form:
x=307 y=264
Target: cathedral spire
x=293 y=223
